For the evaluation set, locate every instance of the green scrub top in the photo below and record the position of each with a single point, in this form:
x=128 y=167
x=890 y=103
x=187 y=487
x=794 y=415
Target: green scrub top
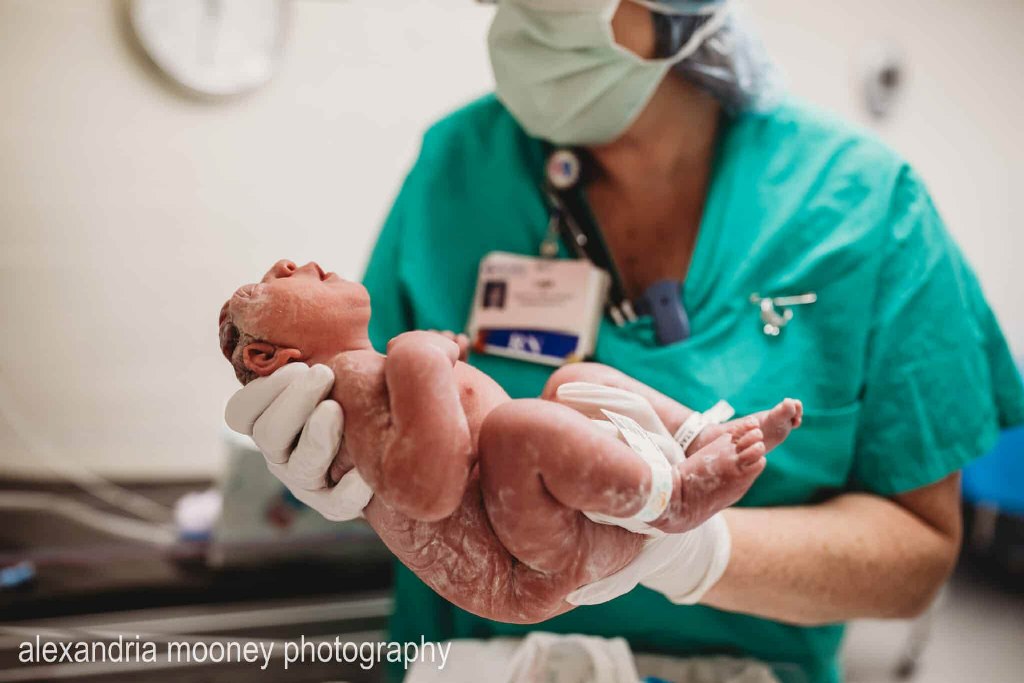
x=901 y=366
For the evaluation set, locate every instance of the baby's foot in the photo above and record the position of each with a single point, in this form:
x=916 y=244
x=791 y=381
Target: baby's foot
x=715 y=476
x=775 y=424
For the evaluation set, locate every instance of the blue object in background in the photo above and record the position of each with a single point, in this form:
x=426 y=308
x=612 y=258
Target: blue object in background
x=997 y=479
x=664 y=302
x=17 y=575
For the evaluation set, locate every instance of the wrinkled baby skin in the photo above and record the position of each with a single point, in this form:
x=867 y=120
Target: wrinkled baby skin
x=480 y=495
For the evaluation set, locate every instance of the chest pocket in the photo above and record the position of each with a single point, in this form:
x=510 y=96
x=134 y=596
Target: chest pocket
x=814 y=461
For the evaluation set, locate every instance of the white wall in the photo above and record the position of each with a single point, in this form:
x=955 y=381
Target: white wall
x=128 y=213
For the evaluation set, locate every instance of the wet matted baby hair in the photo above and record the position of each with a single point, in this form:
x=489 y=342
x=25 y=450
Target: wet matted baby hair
x=233 y=340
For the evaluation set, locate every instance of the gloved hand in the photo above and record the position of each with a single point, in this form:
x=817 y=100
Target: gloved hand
x=299 y=433
x=683 y=567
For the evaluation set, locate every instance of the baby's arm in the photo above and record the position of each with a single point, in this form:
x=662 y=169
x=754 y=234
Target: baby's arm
x=429 y=452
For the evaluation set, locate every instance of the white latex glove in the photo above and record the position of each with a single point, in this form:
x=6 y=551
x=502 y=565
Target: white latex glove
x=299 y=433
x=590 y=399
x=683 y=567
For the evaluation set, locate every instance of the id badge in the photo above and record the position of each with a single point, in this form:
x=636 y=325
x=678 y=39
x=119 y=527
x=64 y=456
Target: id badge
x=536 y=309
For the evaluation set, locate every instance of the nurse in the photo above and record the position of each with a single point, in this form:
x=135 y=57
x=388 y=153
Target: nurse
x=697 y=172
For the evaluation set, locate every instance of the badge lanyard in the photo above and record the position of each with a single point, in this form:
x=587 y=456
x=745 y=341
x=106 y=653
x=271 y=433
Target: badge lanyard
x=575 y=223
x=572 y=218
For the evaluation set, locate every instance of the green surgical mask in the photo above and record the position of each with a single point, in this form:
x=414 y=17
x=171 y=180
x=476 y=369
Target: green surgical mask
x=560 y=72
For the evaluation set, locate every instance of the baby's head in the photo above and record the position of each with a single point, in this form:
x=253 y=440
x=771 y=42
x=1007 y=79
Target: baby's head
x=292 y=314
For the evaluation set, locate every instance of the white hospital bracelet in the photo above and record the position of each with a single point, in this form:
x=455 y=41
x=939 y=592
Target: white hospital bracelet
x=640 y=441
x=661 y=492
x=695 y=424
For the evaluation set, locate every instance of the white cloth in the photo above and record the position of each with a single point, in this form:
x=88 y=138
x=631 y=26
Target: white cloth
x=704 y=669
x=539 y=657
x=577 y=659
x=298 y=430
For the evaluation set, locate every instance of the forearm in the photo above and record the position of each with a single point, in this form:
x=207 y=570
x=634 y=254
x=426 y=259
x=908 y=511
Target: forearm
x=857 y=555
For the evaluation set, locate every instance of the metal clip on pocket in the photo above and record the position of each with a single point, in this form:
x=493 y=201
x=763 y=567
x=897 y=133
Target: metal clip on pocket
x=776 y=312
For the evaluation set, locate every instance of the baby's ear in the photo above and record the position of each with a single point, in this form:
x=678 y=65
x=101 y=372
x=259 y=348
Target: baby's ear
x=263 y=358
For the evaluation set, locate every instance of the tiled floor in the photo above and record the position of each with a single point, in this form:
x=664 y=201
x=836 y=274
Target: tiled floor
x=977 y=637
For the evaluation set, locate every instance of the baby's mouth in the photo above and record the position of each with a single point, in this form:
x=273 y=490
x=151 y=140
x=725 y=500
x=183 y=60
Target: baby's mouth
x=324 y=275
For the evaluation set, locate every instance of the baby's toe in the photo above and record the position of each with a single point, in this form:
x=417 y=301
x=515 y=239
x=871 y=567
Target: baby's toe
x=798 y=412
x=751 y=454
x=743 y=426
x=754 y=468
x=749 y=438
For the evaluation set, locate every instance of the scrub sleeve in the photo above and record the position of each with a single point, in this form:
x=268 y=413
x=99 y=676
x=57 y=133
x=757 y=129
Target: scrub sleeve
x=940 y=379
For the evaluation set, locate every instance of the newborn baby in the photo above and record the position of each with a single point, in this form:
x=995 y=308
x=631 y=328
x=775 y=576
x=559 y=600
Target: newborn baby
x=480 y=495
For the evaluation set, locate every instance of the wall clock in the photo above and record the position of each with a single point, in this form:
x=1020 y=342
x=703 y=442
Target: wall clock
x=213 y=48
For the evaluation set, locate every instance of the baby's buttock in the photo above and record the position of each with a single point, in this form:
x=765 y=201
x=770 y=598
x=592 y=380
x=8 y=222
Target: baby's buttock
x=459 y=557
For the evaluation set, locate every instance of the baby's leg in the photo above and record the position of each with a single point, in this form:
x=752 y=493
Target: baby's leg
x=543 y=464
x=427 y=452
x=775 y=424
x=713 y=478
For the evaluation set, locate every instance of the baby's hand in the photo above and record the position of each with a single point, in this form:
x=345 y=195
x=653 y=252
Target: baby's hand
x=460 y=339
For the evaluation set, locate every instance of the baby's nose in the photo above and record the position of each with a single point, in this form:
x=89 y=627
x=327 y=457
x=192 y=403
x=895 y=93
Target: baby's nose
x=283 y=268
